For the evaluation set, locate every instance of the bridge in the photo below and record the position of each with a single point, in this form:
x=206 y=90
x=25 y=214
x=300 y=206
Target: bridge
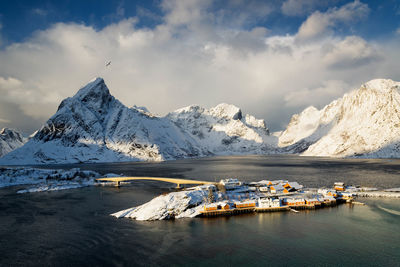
x=176 y=181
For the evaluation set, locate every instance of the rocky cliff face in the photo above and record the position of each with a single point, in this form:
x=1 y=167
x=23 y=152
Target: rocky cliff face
x=93 y=126
x=9 y=140
x=363 y=123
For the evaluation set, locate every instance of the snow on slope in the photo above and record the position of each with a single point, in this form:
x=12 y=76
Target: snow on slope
x=93 y=126
x=172 y=205
x=9 y=140
x=363 y=123
x=223 y=131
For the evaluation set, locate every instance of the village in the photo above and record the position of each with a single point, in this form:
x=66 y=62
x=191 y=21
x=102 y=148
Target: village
x=231 y=197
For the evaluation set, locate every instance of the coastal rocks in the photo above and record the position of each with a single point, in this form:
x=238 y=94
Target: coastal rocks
x=172 y=205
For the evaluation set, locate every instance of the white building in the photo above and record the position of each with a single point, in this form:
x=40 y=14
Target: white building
x=264 y=189
x=230 y=183
x=269 y=202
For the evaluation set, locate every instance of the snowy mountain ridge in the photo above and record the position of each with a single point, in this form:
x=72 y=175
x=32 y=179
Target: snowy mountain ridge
x=363 y=123
x=93 y=126
x=10 y=139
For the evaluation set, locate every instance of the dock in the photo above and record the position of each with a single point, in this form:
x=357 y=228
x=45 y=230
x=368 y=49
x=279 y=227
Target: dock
x=273 y=209
x=222 y=212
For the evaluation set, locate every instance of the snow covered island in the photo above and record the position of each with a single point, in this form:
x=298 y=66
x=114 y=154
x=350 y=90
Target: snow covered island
x=41 y=180
x=231 y=197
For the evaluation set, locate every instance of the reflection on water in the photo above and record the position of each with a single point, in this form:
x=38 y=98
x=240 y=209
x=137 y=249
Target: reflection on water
x=74 y=227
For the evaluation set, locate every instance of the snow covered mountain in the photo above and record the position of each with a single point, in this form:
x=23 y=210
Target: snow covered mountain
x=9 y=140
x=93 y=126
x=223 y=130
x=363 y=123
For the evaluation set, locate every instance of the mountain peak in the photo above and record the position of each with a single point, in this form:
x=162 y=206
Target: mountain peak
x=95 y=95
x=10 y=139
x=381 y=85
x=95 y=87
x=224 y=110
x=10 y=133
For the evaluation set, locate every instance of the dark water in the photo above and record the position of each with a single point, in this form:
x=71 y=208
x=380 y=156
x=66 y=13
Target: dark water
x=73 y=227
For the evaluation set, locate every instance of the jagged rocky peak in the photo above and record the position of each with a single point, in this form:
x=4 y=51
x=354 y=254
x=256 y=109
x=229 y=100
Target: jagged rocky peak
x=254 y=122
x=95 y=89
x=10 y=139
x=11 y=134
x=221 y=111
x=226 y=111
x=95 y=96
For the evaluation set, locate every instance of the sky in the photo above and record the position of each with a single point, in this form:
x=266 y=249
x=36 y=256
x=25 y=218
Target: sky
x=270 y=58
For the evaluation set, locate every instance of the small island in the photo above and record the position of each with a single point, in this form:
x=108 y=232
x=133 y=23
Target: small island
x=232 y=197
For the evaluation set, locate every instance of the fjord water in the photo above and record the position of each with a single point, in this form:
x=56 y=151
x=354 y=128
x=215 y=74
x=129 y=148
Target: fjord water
x=73 y=227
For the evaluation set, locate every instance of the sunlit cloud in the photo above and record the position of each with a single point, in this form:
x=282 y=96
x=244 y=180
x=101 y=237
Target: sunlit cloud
x=194 y=56
x=321 y=23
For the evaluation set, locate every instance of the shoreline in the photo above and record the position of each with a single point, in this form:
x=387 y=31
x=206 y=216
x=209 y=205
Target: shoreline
x=378 y=194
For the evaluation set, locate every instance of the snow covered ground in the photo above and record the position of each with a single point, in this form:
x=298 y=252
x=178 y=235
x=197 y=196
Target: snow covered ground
x=173 y=205
x=182 y=204
x=41 y=180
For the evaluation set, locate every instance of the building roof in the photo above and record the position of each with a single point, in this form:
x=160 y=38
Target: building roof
x=295 y=185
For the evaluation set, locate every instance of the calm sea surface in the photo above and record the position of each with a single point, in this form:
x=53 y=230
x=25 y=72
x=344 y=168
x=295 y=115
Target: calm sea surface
x=73 y=227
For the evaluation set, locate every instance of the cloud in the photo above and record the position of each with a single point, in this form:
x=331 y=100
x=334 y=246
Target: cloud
x=191 y=57
x=13 y=117
x=300 y=8
x=352 y=52
x=319 y=23
x=185 y=12
x=319 y=96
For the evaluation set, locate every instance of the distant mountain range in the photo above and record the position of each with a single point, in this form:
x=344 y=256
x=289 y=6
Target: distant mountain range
x=93 y=126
